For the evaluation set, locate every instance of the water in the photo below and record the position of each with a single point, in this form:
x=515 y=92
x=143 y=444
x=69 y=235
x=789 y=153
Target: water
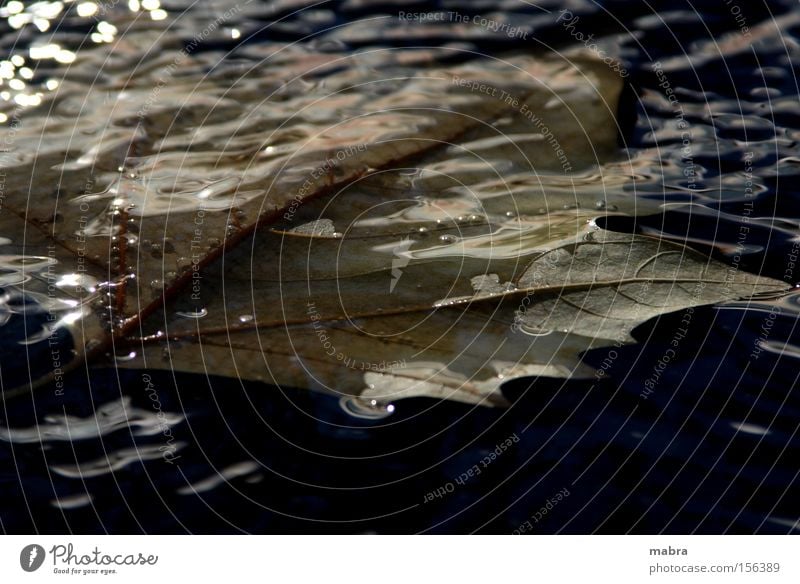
x=704 y=444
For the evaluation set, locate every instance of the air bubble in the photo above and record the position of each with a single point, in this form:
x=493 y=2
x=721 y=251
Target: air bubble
x=183 y=263
x=92 y=344
x=156 y=287
x=534 y=331
x=196 y=314
x=366 y=409
x=125 y=357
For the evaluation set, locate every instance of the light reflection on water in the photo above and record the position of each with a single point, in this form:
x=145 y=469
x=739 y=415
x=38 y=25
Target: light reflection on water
x=20 y=85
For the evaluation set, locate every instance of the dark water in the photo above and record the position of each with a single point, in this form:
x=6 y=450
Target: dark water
x=708 y=444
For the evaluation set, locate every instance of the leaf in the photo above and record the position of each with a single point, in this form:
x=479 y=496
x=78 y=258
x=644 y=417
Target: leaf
x=378 y=225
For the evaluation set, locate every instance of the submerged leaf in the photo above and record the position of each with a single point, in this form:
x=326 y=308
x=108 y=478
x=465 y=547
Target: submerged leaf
x=470 y=266
x=454 y=247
